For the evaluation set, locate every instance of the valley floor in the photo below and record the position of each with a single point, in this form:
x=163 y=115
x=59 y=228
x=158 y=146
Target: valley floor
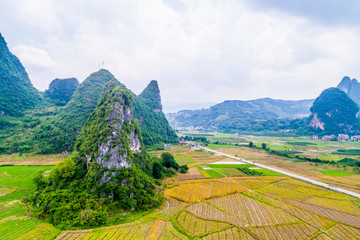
x=217 y=199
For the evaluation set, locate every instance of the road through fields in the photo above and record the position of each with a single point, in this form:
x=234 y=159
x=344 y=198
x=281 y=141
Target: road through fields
x=334 y=188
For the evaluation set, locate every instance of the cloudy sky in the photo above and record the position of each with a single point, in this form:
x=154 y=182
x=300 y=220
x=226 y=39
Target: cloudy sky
x=199 y=51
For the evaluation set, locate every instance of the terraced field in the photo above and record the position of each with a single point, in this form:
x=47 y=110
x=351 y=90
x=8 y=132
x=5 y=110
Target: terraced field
x=16 y=182
x=227 y=207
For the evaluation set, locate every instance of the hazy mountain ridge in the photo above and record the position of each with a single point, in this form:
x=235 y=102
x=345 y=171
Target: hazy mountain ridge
x=351 y=87
x=233 y=113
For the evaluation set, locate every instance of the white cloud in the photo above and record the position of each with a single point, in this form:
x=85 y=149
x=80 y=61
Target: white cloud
x=199 y=51
x=34 y=57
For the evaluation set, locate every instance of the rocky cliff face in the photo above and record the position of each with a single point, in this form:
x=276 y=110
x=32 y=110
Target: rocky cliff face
x=316 y=123
x=111 y=135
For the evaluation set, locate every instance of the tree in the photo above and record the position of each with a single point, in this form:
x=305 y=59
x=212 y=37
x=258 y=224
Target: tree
x=263 y=145
x=251 y=144
x=168 y=161
x=184 y=168
x=157 y=170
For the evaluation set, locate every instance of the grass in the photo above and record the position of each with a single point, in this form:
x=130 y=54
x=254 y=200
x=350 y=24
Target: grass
x=213 y=173
x=223 y=171
x=14 y=222
x=335 y=173
x=216 y=146
x=267 y=172
x=230 y=165
x=203 y=172
x=301 y=143
x=184 y=160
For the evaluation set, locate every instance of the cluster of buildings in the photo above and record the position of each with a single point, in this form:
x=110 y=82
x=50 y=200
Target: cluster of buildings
x=340 y=137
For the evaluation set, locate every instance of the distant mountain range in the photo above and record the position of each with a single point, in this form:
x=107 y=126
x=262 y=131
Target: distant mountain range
x=252 y=114
x=237 y=113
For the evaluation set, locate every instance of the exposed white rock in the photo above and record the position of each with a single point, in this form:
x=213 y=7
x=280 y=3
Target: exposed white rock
x=316 y=122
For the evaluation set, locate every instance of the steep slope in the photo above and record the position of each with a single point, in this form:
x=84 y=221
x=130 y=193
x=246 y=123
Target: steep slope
x=239 y=114
x=61 y=90
x=351 y=88
x=17 y=94
x=59 y=133
x=153 y=123
x=105 y=174
x=334 y=112
x=151 y=96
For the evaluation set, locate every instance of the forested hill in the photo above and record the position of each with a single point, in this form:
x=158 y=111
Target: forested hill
x=108 y=175
x=151 y=96
x=238 y=114
x=17 y=94
x=61 y=90
x=58 y=134
x=334 y=112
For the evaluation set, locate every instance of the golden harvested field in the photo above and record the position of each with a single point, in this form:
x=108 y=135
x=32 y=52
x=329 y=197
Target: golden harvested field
x=15 y=159
x=195 y=191
x=192 y=174
x=238 y=207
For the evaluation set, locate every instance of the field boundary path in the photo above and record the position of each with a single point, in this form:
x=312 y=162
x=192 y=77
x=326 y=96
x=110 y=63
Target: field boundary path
x=341 y=190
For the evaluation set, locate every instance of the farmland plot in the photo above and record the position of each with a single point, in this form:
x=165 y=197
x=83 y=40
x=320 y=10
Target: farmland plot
x=155 y=229
x=197 y=226
x=199 y=190
x=285 y=232
x=342 y=231
x=329 y=213
x=192 y=174
x=206 y=211
x=232 y=233
x=253 y=212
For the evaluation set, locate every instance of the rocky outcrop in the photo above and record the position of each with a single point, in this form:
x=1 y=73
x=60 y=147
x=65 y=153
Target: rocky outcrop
x=111 y=135
x=111 y=152
x=316 y=123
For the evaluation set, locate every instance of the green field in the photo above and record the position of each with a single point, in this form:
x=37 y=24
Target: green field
x=335 y=173
x=213 y=173
x=16 y=183
x=230 y=165
x=184 y=160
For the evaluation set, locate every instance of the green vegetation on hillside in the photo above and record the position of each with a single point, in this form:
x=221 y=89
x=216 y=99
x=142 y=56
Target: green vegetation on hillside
x=58 y=134
x=104 y=179
x=254 y=115
x=151 y=96
x=17 y=94
x=61 y=90
x=336 y=111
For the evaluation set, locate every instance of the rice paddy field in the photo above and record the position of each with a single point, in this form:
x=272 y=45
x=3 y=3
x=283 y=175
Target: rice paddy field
x=218 y=198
